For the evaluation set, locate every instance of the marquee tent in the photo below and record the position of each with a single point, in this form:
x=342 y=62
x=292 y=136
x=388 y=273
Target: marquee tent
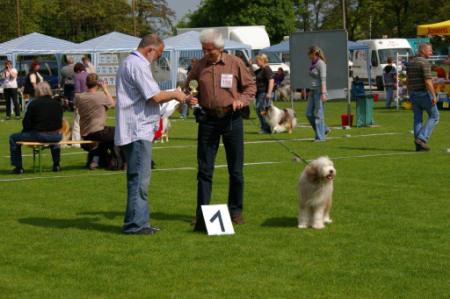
x=442 y=28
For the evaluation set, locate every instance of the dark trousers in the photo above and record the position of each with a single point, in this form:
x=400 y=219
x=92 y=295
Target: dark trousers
x=11 y=97
x=69 y=92
x=209 y=132
x=106 y=139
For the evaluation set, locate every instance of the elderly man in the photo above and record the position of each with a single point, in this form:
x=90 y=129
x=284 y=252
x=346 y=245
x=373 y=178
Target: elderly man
x=137 y=119
x=225 y=87
x=423 y=96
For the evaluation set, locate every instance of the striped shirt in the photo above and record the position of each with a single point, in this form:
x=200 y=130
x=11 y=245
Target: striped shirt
x=417 y=71
x=137 y=117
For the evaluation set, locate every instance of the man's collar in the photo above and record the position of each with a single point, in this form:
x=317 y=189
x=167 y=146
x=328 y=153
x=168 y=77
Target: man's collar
x=138 y=54
x=221 y=59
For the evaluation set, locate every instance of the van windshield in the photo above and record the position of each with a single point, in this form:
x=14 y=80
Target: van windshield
x=384 y=54
x=273 y=57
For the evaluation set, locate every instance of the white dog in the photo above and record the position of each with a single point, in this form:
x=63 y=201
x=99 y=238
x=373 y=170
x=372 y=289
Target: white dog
x=315 y=191
x=280 y=120
x=166 y=110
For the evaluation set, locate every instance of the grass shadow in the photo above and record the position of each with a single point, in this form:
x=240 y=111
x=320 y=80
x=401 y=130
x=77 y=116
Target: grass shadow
x=280 y=222
x=154 y=215
x=84 y=223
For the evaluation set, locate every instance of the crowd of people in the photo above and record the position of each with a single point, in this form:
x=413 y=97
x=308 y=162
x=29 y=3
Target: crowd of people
x=226 y=87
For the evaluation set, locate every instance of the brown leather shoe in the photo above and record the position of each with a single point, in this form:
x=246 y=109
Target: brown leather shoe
x=422 y=144
x=237 y=219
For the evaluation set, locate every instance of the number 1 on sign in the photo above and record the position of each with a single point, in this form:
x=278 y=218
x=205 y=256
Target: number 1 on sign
x=218 y=215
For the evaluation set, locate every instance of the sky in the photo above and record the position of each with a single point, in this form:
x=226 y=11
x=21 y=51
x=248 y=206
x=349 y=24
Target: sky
x=181 y=7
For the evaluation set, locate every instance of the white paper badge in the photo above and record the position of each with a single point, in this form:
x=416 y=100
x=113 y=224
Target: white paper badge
x=226 y=81
x=217 y=219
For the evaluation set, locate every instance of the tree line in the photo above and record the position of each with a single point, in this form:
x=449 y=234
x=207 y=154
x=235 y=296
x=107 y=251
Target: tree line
x=79 y=20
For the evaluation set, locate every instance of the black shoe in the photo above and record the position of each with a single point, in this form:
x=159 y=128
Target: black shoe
x=421 y=145
x=145 y=231
x=18 y=170
x=153 y=164
x=56 y=168
x=199 y=226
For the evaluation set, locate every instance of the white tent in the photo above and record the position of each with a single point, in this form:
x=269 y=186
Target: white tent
x=34 y=44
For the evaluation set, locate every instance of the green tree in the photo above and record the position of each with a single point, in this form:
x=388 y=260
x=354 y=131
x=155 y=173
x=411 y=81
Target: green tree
x=278 y=16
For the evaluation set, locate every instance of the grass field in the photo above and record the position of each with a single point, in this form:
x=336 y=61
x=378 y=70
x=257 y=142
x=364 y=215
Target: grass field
x=61 y=232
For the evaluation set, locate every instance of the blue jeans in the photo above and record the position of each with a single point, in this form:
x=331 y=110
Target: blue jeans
x=16 y=149
x=230 y=128
x=422 y=102
x=261 y=104
x=389 y=95
x=184 y=110
x=138 y=156
x=315 y=114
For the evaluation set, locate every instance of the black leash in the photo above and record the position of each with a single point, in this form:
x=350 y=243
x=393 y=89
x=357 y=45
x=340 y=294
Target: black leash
x=283 y=145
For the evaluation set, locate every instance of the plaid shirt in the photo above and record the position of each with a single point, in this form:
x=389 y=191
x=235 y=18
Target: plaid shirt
x=417 y=71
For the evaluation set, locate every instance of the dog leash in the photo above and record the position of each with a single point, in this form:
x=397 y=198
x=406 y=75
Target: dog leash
x=291 y=151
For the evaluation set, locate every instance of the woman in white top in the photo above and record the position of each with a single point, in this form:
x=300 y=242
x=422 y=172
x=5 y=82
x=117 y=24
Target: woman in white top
x=9 y=75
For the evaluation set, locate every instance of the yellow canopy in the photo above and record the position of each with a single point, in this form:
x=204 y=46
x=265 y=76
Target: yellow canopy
x=442 y=28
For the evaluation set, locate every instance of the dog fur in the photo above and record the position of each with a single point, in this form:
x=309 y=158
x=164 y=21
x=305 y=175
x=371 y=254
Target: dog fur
x=167 y=109
x=315 y=191
x=280 y=120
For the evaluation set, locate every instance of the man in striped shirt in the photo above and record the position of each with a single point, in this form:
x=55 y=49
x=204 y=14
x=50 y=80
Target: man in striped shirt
x=137 y=119
x=423 y=96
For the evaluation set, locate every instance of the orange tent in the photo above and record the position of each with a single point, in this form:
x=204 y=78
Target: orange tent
x=442 y=28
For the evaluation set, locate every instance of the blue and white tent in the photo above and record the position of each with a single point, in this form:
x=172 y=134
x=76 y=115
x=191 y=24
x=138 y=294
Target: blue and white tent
x=282 y=47
x=113 y=42
x=34 y=44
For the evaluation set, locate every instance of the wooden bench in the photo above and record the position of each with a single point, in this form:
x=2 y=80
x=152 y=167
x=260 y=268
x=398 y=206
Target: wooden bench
x=39 y=146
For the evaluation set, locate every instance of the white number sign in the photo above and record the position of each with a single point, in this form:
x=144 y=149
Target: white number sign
x=217 y=219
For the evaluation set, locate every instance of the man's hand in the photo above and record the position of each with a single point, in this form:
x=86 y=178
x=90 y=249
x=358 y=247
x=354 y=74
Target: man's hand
x=237 y=105
x=434 y=100
x=269 y=95
x=324 y=97
x=180 y=96
x=191 y=100
x=104 y=85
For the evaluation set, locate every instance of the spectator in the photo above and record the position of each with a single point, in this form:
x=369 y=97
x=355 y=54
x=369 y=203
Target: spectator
x=92 y=106
x=33 y=78
x=80 y=77
x=9 y=75
x=42 y=122
x=278 y=77
x=90 y=68
x=440 y=72
x=68 y=80
x=390 y=81
x=80 y=86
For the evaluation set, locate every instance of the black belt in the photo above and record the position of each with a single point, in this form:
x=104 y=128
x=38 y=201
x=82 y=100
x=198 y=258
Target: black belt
x=219 y=111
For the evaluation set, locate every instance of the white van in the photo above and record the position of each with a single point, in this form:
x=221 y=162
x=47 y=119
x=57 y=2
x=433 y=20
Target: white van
x=379 y=50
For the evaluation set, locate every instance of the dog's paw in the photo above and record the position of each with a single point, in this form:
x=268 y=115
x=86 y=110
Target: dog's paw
x=328 y=221
x=302 y=226
x=318 y=226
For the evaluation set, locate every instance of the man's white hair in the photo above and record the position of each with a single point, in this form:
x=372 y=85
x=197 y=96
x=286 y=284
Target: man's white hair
x=212 y=36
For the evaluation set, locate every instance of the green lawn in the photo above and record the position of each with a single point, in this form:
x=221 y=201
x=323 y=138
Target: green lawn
x=61 y=232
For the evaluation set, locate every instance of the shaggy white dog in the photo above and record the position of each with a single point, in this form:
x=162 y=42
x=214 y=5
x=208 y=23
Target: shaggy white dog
x=315 y=191
x=280 y=120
